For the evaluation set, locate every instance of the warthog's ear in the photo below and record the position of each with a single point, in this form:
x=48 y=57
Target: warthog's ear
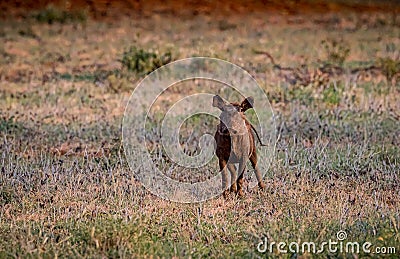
x=247 y=103
x=218 y=102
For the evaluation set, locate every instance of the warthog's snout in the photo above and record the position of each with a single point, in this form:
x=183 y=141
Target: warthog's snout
x=235 y=143
x=226 y=131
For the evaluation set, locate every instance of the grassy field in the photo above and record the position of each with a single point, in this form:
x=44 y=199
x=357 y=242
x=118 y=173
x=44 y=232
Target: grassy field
x=333 y=80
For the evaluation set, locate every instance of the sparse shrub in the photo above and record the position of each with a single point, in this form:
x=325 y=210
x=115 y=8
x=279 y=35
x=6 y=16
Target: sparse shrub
x=303 y=94
x=5 y=58
x=337 y=51
x=390 y=67
x=27 y=32
x=332 y=94
x=7 y=195
x=52 y=14
x=223 y=25
x=8 y=125
x=142 y=61
x=117 y=83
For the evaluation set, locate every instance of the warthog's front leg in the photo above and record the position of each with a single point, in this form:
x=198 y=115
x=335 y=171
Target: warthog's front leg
x=242 y=167
x=225 y=180
x=253 y=160
x=234 y=177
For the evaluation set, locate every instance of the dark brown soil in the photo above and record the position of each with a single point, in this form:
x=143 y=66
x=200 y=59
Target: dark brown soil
x=109 y=9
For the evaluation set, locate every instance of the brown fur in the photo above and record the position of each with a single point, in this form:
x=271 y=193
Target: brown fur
x=235 y=144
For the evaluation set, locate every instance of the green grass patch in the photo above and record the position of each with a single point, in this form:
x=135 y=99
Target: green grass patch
x=143 y=61
x=52 y=14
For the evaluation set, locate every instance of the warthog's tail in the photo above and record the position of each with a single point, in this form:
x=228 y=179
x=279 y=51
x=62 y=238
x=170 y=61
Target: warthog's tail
x=258 y=137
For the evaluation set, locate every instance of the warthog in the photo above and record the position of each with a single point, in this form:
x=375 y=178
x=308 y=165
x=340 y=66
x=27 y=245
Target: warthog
x=235 y=143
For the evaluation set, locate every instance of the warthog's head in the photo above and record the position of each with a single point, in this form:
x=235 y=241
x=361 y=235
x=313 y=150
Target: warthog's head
x=233 y=121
